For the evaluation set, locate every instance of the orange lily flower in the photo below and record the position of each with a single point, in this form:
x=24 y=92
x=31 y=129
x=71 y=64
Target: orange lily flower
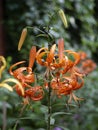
x=66 y=86
x=48 y=58
x=25 y=79
x=88 y=66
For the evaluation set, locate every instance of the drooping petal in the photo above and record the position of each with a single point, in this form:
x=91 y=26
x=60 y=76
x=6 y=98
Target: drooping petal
x=43 y=49
x=12 y=66
x=40 y=59
x=76 y=56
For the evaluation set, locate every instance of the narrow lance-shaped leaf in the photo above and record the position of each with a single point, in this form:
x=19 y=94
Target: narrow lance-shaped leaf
x=60 y=113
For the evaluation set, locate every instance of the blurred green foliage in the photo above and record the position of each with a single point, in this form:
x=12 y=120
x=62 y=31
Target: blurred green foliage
x=81 y=34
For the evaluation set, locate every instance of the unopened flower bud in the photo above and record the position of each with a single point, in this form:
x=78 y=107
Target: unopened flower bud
x=22 y=38
x=63 y=17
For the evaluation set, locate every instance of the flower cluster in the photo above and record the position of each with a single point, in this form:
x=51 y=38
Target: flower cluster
x=65 y=70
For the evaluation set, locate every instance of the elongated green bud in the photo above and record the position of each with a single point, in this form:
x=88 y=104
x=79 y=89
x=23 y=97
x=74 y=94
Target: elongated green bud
x=63 y=17
x=22 y=38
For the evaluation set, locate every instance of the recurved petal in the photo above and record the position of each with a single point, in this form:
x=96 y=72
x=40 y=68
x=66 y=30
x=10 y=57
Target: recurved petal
x=40 y=59
x=12 y=66
x=76 y=56
x=43 y=49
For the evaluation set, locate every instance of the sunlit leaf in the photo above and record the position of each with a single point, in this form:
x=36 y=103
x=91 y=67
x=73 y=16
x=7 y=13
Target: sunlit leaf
x=6 y=86
x=2 y=67
x=16 y=82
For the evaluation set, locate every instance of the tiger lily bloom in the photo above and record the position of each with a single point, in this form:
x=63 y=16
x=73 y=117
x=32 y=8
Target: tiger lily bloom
x=88 y=66
x=24 y=79
x=49 y=59
x=63 y=61
x=66 y=86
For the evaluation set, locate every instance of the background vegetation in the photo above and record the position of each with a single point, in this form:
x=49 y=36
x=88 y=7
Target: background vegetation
x=81 y=34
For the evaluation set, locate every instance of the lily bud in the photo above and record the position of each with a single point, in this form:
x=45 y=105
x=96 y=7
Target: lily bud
x=63 y=17
x=22 y=38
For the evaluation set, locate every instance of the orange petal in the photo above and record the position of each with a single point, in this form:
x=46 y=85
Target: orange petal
x=44 y=49
x=40 y=60
x=51 y=54
x=12 y=66
x=76 y=56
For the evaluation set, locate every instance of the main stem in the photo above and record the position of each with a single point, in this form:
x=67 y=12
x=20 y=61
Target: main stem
x=49 y=98
x=49 y=107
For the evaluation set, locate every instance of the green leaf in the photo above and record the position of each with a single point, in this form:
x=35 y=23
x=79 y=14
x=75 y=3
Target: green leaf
x=42 y=35
x=60 y=113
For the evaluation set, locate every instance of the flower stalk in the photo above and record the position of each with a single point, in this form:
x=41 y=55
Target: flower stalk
x=49 y=104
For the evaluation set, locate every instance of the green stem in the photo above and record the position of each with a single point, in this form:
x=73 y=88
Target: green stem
x=49 y=96
x=49 y=105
